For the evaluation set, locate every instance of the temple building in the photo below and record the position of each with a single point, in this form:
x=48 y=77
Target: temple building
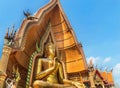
x=45 y=53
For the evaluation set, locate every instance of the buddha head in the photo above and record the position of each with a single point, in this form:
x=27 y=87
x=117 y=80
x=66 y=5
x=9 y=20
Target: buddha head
x=50 y=50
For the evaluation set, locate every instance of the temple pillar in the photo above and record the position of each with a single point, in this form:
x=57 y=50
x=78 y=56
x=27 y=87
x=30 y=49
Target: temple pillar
x=3 y=64
x=2 y=79
x=91 y=78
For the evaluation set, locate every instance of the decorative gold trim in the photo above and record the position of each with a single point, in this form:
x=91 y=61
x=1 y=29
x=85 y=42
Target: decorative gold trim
x=63 y=31
x=74 y=60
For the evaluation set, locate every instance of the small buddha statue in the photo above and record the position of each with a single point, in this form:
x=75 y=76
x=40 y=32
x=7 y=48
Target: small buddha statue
x=13 y=83
x=49 y=72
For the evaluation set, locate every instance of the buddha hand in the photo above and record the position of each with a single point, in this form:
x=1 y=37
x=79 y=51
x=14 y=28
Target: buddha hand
x=55 y=62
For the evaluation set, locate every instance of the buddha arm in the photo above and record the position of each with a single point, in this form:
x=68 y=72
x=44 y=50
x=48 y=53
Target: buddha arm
x=43 y=74
x=74 y=83
x=39 y=66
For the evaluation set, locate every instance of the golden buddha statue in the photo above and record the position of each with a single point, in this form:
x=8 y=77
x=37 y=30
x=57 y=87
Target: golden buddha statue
x=50 y=73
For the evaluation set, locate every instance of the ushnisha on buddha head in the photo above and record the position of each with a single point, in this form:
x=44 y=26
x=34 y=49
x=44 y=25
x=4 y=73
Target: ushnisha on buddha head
x=50 y=50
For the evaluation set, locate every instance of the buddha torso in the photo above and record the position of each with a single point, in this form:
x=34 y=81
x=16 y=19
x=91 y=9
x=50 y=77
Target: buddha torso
x=46 y=64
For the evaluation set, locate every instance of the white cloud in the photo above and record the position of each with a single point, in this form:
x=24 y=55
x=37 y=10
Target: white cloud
x=94 y=59
x=107 y=59
x=116 y=73
x=116 y=69
x=98 y=60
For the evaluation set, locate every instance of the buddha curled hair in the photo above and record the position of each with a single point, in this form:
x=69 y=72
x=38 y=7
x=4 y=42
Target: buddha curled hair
x=50 y=45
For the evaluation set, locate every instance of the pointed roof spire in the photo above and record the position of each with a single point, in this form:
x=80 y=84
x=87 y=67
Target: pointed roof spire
x=7 y=33
x=91 y=63
x=111 y=70
x=14 y=34
x=11 y=34
x=106 y=68
x=13 y=26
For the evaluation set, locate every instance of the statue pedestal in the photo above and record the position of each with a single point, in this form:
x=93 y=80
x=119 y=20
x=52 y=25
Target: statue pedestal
x=3 y=65
x=2 y=79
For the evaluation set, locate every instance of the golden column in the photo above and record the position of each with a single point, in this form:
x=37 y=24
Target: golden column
x=3 y=64
x=91 y=78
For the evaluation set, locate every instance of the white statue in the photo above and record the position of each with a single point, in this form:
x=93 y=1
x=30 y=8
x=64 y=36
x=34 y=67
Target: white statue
x=13 y=83
x=10 y=83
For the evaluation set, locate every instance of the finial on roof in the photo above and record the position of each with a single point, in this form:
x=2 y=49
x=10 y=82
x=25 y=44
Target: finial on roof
x=12 y=31
x=111 y=70
x=29 y=16
x=27 y=13
x=90 y=67
x=7 y=33
x=106 y=68
x=13 y=26
x=14 y=34
x=91 y=63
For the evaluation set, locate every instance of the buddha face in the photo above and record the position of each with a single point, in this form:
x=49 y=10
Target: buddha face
x=50 y=50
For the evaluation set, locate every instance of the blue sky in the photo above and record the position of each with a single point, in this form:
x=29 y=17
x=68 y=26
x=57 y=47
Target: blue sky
x=95 y=22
